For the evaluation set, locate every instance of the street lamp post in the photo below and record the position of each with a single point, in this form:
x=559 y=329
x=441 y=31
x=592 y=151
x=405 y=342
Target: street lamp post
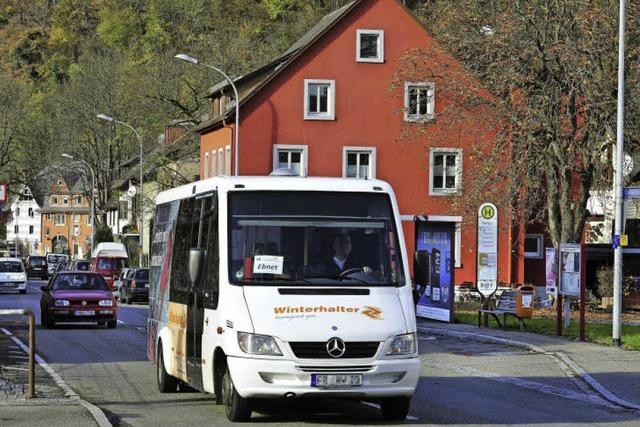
x=236 y=149
x=617 y=252
x=141 y=215
x=93 y=195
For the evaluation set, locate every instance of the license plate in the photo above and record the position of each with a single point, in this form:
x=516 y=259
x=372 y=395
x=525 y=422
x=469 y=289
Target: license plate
x=333 y=381
x=84 y=312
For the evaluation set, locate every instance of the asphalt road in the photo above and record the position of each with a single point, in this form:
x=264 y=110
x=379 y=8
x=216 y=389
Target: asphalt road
x=463 y=382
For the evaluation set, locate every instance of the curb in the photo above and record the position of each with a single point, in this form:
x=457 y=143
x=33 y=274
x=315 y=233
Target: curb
x=571 y=364
x=99 y=417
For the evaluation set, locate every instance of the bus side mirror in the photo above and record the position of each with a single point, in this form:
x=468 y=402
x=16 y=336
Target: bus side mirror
x=196 y=264
x=421 y=264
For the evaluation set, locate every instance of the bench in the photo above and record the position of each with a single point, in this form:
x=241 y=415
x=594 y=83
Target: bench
x=506 y=306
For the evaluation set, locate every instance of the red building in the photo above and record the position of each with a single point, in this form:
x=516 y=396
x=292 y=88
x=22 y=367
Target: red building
x=332 y=106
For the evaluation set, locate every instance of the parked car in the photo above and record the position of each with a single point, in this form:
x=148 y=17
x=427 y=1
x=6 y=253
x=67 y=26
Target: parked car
x=13 y=275
x=37 y=267
x=119 y=281
x=62 y=266
x=72 y=296
x=53 y=260
x=135 y=286
x=80 y=265
x=109 y=259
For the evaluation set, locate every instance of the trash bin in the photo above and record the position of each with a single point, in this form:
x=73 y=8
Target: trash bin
x=525 y=298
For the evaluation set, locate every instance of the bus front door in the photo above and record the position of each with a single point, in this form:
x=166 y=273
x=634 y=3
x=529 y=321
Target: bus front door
x=202 y=217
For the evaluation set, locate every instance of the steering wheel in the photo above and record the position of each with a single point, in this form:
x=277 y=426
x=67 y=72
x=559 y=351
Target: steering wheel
x=365 y=269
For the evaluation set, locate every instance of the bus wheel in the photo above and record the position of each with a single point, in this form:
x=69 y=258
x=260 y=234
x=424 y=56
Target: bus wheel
x=236 y=407
x=166 y=383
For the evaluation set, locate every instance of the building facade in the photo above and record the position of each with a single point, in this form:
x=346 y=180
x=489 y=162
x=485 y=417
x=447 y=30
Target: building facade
x=332 y=105
x=23 y=228
x=66 y=218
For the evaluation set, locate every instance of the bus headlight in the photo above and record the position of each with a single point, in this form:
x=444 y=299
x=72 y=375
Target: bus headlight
x=258 y=344
x=403 y=345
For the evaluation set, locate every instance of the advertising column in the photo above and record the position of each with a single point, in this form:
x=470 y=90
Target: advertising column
x=433 y=269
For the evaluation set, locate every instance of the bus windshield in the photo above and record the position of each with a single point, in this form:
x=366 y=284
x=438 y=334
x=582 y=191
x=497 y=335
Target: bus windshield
x=313 y=238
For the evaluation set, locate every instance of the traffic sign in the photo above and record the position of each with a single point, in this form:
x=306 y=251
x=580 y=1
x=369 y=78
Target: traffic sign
x=631 y=193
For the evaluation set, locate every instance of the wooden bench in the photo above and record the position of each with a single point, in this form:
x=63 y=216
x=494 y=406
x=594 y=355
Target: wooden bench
x=506 y=306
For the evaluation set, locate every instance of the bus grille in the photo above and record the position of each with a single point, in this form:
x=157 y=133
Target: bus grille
x=318 y=350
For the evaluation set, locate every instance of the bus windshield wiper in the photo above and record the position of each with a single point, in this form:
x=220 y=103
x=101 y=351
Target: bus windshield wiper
x=280 y=281
x=340 y=278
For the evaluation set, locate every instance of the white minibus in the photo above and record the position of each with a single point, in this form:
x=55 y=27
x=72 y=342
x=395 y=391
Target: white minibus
x=282 y=287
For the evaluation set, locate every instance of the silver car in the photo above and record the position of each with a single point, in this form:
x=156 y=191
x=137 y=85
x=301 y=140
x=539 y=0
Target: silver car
x=13 y=275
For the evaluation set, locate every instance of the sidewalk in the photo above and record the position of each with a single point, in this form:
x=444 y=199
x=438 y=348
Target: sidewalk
x=616 y=371
x=51 y=406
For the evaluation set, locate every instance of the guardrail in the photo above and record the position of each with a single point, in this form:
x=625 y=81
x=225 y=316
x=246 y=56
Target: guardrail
x=32 y=344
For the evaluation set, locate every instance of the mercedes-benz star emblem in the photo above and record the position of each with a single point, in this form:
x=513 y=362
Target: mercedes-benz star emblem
x=336 y=347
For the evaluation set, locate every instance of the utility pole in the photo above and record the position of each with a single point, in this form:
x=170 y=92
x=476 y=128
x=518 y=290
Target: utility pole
x=617 y=251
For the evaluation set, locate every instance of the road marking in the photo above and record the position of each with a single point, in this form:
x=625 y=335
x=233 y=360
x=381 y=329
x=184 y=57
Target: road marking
x=375 y=405
x=590 y=398
x=96 y=412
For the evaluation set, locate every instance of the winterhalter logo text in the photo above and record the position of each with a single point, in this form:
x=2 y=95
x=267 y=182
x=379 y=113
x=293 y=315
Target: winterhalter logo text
x=369 y=311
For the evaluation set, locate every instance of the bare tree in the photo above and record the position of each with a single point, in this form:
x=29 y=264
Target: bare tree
x=546 y=76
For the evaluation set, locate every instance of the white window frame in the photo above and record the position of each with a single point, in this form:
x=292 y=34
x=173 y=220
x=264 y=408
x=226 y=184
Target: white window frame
x=221 y=161
x=65 y=200
x=540 y=240
x=227 y=166
x=214 y=163
x=60 y=223
x=304 y=155
x=371 y=151
x=31 y=229
x=206 y=165
x=54 y=200
x=380 y=33
x=331 y=101
x=459 y=161
x=431 y=106
x=76 y=229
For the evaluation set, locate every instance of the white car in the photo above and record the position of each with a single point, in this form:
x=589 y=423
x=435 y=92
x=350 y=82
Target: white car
x=119 y=281
x=13 y=275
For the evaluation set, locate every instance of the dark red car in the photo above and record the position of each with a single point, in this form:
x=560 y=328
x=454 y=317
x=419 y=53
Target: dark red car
x=77 y=296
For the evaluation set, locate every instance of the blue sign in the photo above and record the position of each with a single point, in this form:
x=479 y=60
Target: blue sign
x=434 y=241
x=631 y=193
x=616 y=241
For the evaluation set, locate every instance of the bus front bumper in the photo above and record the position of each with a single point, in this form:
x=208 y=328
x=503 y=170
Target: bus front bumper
x=270 y=378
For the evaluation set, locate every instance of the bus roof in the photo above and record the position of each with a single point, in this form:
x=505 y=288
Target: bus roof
x=274 y=183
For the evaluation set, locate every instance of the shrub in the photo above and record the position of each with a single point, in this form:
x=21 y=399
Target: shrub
x=604 y=279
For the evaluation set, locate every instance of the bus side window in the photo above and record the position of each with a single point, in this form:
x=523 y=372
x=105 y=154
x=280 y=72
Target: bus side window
x=180 y=285
x=209 y=241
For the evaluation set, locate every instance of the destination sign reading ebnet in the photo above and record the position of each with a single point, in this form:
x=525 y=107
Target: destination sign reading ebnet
x=267 y=264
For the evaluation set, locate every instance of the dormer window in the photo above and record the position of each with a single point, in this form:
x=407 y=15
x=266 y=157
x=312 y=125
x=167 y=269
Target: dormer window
x=370 y=46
